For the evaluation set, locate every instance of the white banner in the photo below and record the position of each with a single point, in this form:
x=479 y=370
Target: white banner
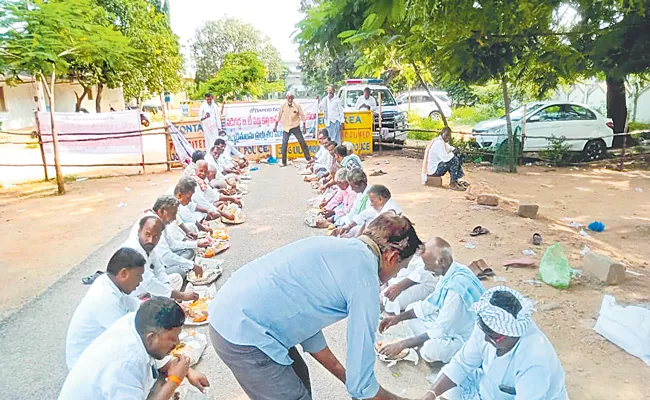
x=252 y=124
x=102 y=133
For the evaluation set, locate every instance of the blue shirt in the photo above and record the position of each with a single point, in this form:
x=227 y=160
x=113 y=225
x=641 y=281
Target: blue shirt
x=288 y=296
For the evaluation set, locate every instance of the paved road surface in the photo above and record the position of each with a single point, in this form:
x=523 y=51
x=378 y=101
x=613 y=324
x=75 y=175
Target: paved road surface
x=33 y=339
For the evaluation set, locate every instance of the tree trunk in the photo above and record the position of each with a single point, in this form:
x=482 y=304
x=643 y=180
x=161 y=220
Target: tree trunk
x=512 y=154
x=77 y=107
x=55 y=138
x=98 y=98
x=617 y=107
x=426 y=87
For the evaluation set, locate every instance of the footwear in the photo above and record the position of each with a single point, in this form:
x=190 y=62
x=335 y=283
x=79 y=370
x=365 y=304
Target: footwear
x=457 y=187
x=537 y=239
x=91 y=278
x=479 y=230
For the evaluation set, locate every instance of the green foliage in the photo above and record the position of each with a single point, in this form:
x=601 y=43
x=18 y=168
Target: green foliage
x=240 y=76
x=470 y=116
x=558 y=152
x=214 y=40
x=639 y=126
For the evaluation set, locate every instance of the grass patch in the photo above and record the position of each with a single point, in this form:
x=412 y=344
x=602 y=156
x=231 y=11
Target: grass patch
x=473 y=115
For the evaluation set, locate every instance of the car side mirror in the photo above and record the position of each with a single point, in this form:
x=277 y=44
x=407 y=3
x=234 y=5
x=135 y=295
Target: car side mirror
x=534 y=118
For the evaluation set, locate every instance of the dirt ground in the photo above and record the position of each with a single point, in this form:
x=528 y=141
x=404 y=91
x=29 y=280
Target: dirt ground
x=36 y=230
x=38 y=227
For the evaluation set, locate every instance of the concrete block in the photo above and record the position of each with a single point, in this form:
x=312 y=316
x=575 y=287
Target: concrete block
x=604 y=268
x=528 y=210
x=435 y=181
x=487 y=200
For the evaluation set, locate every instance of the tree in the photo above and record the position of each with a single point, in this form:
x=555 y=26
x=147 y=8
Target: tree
x=159 y=66
x=241 y=75
x=215 y=39
x=40 y=38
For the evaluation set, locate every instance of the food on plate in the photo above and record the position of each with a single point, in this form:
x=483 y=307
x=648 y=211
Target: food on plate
x=201 y=317
x=220 y=234
x=197 y=311
x=379 y=344
x=209 y=253
x=177 y=350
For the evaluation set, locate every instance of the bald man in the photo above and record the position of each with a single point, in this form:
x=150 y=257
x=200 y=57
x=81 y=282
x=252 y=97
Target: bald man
x=442 y=322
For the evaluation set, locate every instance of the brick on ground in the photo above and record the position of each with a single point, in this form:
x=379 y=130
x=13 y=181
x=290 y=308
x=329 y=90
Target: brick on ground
x=434 y=181
x=487 y=200
x=607 y=270
x=528 y=210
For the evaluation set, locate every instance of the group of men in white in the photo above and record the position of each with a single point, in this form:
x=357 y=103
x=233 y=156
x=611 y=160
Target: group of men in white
x=122 y=332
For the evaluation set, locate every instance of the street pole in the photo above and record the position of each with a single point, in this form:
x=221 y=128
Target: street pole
x=55 y=138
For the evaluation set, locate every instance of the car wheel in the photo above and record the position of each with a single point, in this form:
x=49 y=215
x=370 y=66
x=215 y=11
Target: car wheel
x=435 y=115
x=594 y=150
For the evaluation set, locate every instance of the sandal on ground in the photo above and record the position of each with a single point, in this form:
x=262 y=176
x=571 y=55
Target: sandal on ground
x=479 y=230
x=91 y=278
x=377 y=173
x=458 y=188
x=463 y=183
x=537 y=239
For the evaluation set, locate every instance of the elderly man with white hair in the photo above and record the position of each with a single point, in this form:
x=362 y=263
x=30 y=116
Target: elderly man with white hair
x=291 y=115
x=507 y=356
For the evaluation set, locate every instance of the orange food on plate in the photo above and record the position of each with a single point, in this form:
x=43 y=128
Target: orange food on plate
x=200 y=318
x=209 y=253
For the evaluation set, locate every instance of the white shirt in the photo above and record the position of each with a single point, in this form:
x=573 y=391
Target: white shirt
x=103 y=304
x=186 y=213
x=332 y=109
x=369 y=214
x=532 y=368
x=167 y=244
x=356 y=206
x=211 y=124
x=201 y=199
x=323 y=158
x=154 y=280
x=362 y=101
x=438 y=153
x=415 y=271
x=115 y=366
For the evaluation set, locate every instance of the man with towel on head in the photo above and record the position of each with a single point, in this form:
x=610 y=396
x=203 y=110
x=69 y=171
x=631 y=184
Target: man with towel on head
x=444 y=320
x=506 y=357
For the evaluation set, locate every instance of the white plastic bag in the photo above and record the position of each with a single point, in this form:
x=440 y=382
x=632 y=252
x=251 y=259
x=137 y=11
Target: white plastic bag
x=627 y=327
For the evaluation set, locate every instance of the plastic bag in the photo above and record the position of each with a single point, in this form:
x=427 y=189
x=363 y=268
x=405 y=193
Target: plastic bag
x=627 y=327
x=554 y=269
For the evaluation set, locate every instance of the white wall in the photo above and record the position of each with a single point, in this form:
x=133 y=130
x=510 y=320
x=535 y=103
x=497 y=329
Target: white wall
x=21 y=103
x=596 y=97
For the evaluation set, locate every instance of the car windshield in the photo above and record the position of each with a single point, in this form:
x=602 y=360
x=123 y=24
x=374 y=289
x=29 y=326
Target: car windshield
x=518 y=114
x=387 y=98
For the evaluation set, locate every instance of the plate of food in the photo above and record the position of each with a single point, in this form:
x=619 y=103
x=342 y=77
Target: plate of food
x=220 y=234
x=209 y=275
x=214 y=249
x=191 y=344
x=379 y=344
x=214 y=224
x=237 y=212
x=196 y=312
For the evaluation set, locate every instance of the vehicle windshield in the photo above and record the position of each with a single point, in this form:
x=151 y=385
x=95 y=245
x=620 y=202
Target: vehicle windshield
x=518 y=114
x=387 y=98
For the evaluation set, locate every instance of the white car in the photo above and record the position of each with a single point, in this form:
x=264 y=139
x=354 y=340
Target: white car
x=584 y=128
x=423 y=106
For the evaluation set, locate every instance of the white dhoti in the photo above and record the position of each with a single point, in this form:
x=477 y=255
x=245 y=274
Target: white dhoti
x=176 y=281
x=435 y=349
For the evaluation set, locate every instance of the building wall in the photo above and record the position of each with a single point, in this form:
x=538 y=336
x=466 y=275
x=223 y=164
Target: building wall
x=22 y=101
x=596 y=97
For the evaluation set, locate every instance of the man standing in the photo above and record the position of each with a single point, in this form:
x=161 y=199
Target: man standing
x=333 y=114
x=210 y=120
x=287 y=297
x=366 y=102
x=291 y=114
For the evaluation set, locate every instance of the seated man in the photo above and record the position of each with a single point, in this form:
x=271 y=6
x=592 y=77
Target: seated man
x=328 y=179
x=380 y=202
x=155 y=281
x=439 y=158
x=320 y=164
x=176 y=254
x=341 y=203
x=106 y=301
x=225 y=167
x=189 y=215
x=123 y=362
x=444 y=321
x=219 y=181
x=346 y=159
x=506 y=357
x=206 y=198
x=413 y=283
x=359 y=183
x=197 y=156
x=230 y=151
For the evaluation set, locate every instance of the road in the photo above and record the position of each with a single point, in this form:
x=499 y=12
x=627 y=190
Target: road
x=33 y=339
